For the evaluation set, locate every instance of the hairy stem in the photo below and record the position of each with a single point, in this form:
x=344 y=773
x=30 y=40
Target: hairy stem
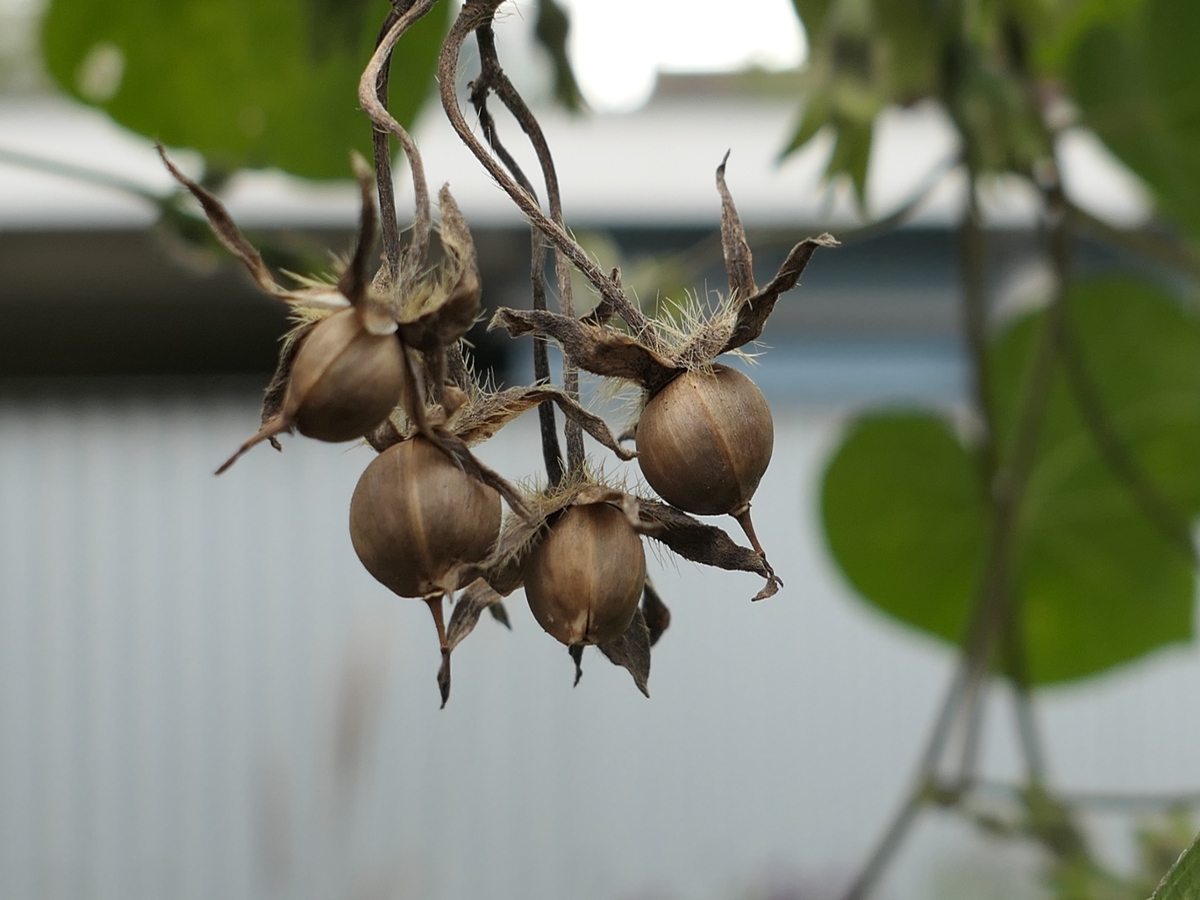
x=382 y=152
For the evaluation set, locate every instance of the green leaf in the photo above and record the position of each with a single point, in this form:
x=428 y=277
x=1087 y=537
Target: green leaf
x=1183 y=881
x=904 y=519
x=1098 y=581
x=246 y=82
x=1138 y=86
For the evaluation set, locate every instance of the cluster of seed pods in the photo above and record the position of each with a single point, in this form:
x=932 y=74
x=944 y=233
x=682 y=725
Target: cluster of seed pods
x=381 y=358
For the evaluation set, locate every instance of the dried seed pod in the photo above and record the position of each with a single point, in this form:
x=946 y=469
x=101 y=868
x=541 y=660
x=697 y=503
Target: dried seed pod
x=584 y=579
x=704 y=441
x=344 y=380
x=416 y=517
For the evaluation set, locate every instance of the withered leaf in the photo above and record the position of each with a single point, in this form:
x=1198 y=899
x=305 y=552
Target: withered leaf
x=698 y=542
x=632 y=650
x=447 y=312
x=752 y=311
x=655 y=612
x=471 y=603
x=352 y=284
x=593 y=348
x=484 y=418
x=738 y=260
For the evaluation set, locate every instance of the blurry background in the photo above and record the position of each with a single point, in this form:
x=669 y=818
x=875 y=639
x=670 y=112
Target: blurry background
x=202 y=694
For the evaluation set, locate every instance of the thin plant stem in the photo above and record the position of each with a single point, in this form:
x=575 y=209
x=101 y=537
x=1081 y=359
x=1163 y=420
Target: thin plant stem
x=382 y=147
x=551 y=453
x=82 y=173
x=473 y=14
x=494 y=77
x=368 y=98
x=1152 y=243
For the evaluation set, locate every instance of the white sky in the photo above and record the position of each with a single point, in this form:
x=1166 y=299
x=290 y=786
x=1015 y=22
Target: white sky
x=618 y=45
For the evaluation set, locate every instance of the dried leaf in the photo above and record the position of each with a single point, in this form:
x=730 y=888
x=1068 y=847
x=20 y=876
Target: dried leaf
x=434 y=319
x=738 y=260
x=655 y=612
x=596 y=349
x=702 y=543
x=752 y=312
x=474 y=600
x=488 y=415
x=353 y=281
x=632 y=650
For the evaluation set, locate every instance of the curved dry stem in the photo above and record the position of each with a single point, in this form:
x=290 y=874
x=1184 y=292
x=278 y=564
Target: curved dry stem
x=774 y=583
x=474 y=14
x=368 y=97
x=272 y=427
x=382 y=152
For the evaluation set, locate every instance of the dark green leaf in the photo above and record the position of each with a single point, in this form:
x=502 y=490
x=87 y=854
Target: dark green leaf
x=246 y=82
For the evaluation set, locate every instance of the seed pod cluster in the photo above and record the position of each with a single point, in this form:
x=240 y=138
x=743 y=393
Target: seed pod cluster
x=585 y=578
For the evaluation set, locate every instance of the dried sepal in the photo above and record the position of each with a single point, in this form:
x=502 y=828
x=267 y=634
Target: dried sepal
x=477 y=597
x=632 y=651
x=232 y=239
x=655 y=612
x=704 y=544
x=739 y=262
x=454 y=447
x=277 y=387
x=600 y=350
x=752 y=312
x=354 y=280
x=480 y=419
x=432 y=315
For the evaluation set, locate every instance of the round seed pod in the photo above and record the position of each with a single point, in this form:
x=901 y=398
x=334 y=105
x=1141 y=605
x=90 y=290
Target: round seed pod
x=415 y=516
x=344 y=379
x=704 y=441
x=584 y=580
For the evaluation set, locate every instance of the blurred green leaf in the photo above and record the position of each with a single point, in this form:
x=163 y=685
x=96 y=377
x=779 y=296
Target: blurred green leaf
x=1098 y=582
x=905 y=519
x=551 y=30
x=1183 y=881
x=246 y=82
x=1138 y=86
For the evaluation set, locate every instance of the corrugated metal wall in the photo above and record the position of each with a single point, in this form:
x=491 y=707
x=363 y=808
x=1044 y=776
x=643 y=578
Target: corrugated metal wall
x=180 y=656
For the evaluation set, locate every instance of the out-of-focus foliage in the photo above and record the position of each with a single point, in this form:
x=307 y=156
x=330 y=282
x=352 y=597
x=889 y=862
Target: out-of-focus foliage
x=1128 y=65
x=246 y=82
x=1098 y=581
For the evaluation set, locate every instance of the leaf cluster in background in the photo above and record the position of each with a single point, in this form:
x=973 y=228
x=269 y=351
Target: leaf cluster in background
x=1097 y=579
x=1126 y=66
x=248 y=83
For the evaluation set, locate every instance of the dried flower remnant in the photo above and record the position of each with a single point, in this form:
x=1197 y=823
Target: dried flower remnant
x=705 y=434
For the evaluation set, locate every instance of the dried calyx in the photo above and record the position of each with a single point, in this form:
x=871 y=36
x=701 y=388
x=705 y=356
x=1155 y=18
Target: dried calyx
x=705 y=434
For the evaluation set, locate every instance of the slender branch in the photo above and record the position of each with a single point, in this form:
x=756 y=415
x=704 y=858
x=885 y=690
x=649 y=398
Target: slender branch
x=382 y=147
x=492 y=76
x=370 y=101
x=888 y=845
x=473 y=14
x=551 y=453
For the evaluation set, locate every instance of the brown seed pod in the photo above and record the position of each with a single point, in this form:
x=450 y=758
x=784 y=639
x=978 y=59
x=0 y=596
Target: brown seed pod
x=584 y=579
x=416 y=517
x=704 y=441
x=344 y=381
